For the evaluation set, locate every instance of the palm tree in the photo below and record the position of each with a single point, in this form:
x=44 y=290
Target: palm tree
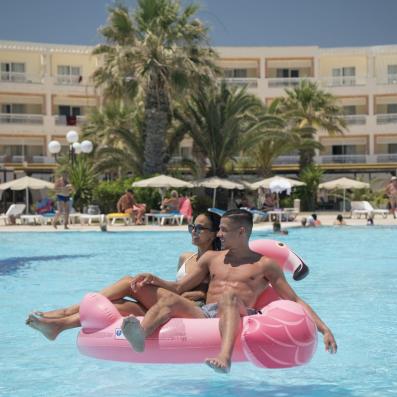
x=117 y=133
x=274 y=138
x=310 y=110
x=222 y=121
x=160 y=49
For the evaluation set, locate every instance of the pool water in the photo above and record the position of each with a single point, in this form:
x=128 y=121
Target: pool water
x=351 y=286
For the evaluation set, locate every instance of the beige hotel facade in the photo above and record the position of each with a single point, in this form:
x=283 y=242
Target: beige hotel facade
x=46 y=90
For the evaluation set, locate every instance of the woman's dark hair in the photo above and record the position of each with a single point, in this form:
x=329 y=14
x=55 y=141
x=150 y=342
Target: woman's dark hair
x=215 y=221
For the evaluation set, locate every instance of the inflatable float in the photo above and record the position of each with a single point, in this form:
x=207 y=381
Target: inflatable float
x=282 y=336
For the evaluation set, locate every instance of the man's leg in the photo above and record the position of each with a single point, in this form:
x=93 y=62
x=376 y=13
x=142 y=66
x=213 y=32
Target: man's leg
x=230 y=311
x=169 y=305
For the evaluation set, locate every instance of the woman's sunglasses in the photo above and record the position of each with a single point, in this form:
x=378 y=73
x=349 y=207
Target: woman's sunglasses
x=196 y=228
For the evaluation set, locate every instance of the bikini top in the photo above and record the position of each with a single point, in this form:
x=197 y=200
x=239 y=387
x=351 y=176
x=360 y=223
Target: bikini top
x=182 y=270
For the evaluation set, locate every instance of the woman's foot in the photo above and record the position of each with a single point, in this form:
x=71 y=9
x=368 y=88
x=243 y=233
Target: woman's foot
x=48 y=327
x=219 y=364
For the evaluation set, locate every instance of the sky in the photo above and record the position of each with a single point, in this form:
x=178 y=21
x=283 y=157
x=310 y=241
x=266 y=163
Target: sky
x=324 y=23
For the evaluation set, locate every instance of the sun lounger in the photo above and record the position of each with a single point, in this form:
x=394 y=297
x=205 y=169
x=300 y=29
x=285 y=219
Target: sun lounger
x=14 y=211
x=365 y=208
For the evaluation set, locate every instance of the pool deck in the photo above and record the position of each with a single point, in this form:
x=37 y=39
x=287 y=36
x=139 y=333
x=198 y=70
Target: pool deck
x=326 y=218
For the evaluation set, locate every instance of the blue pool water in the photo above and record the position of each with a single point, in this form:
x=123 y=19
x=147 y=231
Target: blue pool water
x=351 y=285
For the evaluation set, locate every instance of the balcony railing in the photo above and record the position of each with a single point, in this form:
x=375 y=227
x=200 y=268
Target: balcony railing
x=387 y=79
x=286 y=160
x=249 y=82
x=387 y=118
x=67 y=79
x=17 y=77
x=343 y=81
x=69 y=120
x=20 y=118
x=18 y=159
x=344 y=158
x=285 y=81
x=387 y=158
x=355 y=119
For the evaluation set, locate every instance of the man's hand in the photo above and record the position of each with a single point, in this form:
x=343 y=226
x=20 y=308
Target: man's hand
x=142 y=279
x=330 y=343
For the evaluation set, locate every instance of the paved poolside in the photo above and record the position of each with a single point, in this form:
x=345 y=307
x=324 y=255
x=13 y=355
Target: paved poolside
x=326 y=218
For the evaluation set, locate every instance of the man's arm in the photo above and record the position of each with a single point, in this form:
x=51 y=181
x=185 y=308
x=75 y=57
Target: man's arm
x=277 y=279
x=187 y=283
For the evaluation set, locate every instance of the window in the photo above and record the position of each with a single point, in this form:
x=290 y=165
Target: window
x=235 y=73
x=344 y=76
x=349 y=110
x=287 y=73
x=391 y=108
x=392 y=148
x=68 y=74
x=392 y=74
x=13 y=71
x=338 y=150
x=18 y=108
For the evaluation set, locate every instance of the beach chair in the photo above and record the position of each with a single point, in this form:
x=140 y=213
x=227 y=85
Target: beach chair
x=113 y=217
x=365 y=208
x=14 y=211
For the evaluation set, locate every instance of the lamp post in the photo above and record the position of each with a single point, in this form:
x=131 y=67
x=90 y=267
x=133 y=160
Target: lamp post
x=75 y=147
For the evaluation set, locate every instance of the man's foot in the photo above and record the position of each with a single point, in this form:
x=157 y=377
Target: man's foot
x=49 y=328
x=66 y=227
x=134 y=333
x=54 y=225
x=219 y=364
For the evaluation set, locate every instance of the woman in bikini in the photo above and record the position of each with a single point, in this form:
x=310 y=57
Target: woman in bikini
x=203 y=231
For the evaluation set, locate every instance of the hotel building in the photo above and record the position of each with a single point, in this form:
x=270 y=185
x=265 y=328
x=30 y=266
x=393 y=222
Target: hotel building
x=46 y=90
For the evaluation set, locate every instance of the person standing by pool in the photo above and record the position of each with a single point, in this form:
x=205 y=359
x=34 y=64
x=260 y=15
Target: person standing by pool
x=63 y=190
x=203 y=232
x=238 y=276
x=391 y=191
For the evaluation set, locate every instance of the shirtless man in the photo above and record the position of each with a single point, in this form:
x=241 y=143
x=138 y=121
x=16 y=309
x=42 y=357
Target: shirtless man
x=238 y=276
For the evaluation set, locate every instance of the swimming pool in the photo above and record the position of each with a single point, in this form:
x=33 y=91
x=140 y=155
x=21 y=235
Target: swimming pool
x=351 y=285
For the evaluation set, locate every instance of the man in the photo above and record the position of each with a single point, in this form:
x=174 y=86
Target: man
x=237 y=275
x=391 y=191
x=128 y=205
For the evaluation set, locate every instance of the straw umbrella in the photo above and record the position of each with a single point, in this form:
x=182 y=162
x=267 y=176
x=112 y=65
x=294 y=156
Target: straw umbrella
x=216 y=183
x=162 y=182
x=26 y=183
x=344 y=183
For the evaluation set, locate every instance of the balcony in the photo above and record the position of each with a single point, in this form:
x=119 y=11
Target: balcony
x=387 y=118
x=248 y=82
x=20 y=118
x=74 y=80
x=286 y=160
x=343 y=81
x=355 y=119
x=19 y=159
x=388 y=79
x=282 y=82
x=17 y=77
x=344 y=159
x=386 y=158
x=69 y=120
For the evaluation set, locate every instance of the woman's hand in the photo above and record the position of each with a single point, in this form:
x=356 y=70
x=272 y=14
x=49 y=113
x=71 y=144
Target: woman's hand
x=141 y=280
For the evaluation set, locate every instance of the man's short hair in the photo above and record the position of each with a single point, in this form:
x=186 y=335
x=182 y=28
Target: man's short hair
x=130 y=191
x=241 y=218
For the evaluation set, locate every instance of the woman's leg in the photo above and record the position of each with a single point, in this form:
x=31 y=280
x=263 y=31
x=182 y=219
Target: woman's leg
x=66 y=214
x=147 y=296
x=52 y=327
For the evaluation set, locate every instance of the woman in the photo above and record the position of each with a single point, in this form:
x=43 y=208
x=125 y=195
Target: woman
x=63 y=190
x=203 y=231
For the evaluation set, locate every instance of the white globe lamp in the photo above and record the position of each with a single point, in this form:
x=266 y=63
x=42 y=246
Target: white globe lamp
x=54 y=147
x=86 y=146
x=76 y=147
x=72 y=136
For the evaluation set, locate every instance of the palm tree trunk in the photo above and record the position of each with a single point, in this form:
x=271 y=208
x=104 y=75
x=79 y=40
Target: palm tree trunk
x=157 y=112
